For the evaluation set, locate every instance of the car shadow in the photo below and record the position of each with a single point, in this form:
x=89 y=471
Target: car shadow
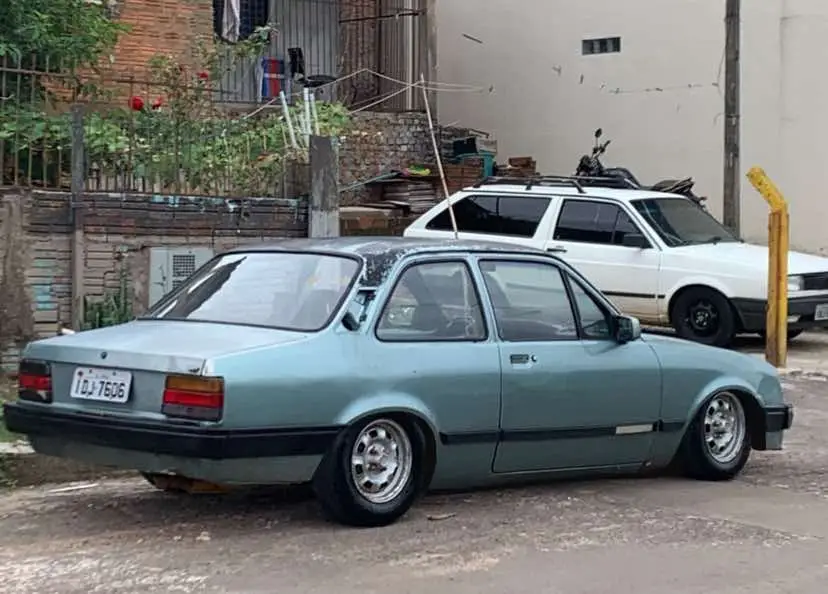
x=131 y=507
x=128 y=507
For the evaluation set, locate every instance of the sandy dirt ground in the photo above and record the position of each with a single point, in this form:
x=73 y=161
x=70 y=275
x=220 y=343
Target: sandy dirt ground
x=765 y=532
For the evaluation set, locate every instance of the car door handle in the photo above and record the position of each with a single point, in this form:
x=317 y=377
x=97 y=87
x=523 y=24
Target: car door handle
x=559 y=249
x=522 y=359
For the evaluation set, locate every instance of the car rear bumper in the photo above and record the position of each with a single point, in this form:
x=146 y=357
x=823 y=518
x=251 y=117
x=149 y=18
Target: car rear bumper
x=752 y=313
x=177 y=440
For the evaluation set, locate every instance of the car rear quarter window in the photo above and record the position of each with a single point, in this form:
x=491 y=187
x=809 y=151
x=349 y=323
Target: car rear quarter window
x=433 y=301
x=491 y=214
x=292 y=291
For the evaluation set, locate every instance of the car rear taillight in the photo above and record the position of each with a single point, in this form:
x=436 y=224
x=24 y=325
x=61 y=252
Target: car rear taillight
x=193 y=397
x=34 y=381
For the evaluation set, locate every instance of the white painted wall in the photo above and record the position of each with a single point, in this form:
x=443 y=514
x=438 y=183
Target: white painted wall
x=660 y=99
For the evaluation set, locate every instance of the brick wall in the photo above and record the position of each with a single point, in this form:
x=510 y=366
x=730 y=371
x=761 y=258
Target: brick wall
x=379 y=142
x=159 y=26
x=358 y=43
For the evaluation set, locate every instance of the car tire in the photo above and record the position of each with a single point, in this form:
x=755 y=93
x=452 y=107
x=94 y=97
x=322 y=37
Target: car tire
x=353 y=494
x=716 y=446
x=704 y=315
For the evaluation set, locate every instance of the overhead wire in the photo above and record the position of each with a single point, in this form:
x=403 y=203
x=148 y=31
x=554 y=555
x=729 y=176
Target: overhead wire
x=434 y=86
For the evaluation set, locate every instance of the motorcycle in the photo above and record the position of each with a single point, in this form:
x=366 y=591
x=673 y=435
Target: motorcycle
x=590 y=166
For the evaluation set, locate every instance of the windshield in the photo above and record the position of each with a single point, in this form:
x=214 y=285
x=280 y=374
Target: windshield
x=289 y=291
x=679 y=221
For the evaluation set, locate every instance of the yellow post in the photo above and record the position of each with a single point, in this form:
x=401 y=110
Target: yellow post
x=776 y=333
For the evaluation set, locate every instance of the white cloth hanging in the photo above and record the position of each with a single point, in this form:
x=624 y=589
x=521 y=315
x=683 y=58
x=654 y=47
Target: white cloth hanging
x=231 y=20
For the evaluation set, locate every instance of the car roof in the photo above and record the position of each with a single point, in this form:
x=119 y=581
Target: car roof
x=585 y=192
x=382 y=253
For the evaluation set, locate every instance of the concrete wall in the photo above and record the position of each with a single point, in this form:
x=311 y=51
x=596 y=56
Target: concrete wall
x=660 y=99
x=119 y=230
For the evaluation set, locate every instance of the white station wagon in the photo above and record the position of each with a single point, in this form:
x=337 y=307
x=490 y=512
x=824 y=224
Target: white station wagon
x=660 y=257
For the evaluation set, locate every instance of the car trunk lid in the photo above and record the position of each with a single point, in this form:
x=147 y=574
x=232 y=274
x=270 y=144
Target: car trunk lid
x=135 y=359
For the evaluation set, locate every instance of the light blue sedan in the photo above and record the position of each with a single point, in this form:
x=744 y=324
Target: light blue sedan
x=377 y=368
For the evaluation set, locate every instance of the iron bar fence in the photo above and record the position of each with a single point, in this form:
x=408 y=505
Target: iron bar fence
x=349 y=51
x=161 y=135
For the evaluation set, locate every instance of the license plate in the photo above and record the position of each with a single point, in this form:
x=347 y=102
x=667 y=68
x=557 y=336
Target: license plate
x=821 y=312
x=105 y=385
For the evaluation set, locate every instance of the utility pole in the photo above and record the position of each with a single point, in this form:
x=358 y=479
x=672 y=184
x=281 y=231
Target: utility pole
x=732 y=179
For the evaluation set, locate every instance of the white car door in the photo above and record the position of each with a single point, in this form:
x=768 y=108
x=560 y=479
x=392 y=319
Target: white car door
x=602 y=240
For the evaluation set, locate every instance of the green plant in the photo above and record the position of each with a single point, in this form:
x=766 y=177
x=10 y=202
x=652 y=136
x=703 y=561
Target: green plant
x=113 y=307
x=68 y=34
x=8 y=391
x=175 y=139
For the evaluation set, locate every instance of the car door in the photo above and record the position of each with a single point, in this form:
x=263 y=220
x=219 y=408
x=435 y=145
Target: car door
x=591 y=235
x=572 y=396
x=434 y=350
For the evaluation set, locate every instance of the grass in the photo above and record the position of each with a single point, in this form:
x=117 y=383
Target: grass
x=8 y=389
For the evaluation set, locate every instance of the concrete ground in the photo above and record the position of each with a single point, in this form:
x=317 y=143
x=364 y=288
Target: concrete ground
x=806 y=353
x=766 y=532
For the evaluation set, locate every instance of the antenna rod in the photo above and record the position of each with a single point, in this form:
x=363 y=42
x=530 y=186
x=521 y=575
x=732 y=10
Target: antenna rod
x=437 y=155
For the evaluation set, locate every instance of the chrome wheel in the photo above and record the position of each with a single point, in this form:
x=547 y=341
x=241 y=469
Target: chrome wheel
x=724 y=428
x=382 y=461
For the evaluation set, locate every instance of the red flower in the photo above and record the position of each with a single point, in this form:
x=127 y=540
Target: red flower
x=157 y=103
x=136 y=103
x=204 y=75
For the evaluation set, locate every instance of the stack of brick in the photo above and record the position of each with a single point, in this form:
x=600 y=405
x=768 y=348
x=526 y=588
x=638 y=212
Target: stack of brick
x=519 y=167
x=462 y=175
x=368 y=221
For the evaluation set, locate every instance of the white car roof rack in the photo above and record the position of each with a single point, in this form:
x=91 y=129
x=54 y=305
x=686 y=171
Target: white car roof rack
x=578 y=182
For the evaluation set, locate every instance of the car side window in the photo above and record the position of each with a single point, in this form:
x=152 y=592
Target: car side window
x=595 y=320
x=517 y=216
x=433 y=301
x=530 y=301
x=593 y=222
x=624 y=225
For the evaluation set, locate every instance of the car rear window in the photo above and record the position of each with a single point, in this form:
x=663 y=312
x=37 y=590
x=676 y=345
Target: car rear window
x=291 y=291
x=517 y=216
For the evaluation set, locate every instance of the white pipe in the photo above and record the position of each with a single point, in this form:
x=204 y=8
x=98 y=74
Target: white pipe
x=315 y=114
x=303 y=125
x=307 y=106
x=437 y=155
x=411 y=54
x=286 y=113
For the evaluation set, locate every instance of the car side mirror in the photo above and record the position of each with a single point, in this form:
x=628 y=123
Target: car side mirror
x=350 y=322
x=627 y=329
x=635 y=240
